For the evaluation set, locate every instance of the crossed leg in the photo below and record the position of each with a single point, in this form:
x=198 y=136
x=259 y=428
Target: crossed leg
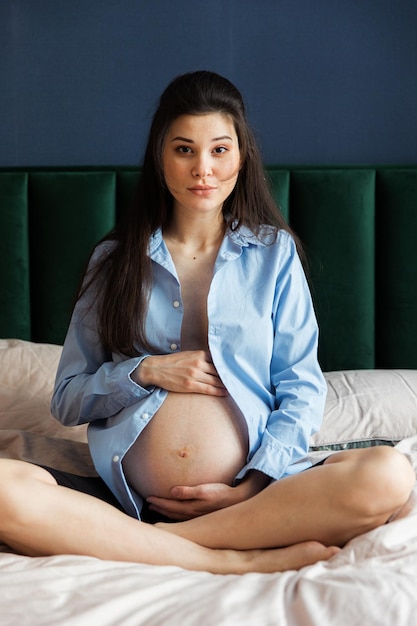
x=38 y=518
x=286 y=526
x=353 y=492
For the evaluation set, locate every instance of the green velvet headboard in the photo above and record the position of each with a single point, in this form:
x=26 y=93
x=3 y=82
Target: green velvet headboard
x=359 y=226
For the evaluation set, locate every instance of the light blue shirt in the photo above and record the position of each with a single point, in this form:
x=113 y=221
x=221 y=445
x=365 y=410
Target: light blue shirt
x=262 y=336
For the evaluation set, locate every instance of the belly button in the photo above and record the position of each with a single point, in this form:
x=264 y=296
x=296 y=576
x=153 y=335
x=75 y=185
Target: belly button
x=183 y=453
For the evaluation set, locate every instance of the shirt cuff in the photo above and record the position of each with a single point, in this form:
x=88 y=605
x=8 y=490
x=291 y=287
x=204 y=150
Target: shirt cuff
x=270 y=459
x=137 y=361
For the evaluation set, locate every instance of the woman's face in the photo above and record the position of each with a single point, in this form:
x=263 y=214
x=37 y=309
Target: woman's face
x=201 y=162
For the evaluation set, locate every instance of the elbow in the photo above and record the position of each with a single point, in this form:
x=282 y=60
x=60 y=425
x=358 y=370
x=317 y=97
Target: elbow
x=64 y=410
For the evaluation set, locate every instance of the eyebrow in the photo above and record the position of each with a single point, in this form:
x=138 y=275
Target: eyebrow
x=185 y=140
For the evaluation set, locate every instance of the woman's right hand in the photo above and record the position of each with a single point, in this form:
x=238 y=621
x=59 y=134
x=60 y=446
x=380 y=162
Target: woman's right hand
x=191 y=371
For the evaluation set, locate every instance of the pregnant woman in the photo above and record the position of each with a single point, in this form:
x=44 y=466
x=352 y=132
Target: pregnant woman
x=192 y=355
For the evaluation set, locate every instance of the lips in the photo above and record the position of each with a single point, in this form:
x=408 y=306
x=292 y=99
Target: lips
x=201 y=190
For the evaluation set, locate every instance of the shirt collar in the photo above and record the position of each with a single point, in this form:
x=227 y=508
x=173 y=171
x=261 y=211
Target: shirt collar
x=242 y=237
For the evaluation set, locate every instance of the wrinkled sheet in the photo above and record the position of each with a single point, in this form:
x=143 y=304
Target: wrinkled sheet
x=372 y=581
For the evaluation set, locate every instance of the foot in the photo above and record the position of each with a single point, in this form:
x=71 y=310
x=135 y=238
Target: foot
x=269 y=560
x=291 y=558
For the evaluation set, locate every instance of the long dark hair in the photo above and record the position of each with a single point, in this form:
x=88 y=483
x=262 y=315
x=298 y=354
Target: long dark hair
x=127 y=269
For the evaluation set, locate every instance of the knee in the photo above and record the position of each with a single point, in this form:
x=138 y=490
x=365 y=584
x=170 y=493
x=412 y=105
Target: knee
x=399 y=474
x=8 y=470
x=17 y=480
x=387 y=478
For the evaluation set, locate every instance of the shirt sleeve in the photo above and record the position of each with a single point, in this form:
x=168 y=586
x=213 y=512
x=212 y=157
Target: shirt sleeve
x=296 y=377
x=91 y=383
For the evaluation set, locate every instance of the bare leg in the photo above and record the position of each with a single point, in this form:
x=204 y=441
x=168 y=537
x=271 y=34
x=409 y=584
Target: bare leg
x=353 y=492
x=38 y=517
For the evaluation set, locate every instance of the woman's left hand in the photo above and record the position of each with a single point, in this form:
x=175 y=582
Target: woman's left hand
x=189 y=502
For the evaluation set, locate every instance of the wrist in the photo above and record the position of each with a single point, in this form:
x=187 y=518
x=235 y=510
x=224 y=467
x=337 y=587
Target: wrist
x=142 y=374
x=253 y=483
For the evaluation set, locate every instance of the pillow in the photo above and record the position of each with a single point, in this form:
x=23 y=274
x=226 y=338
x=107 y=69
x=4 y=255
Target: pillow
x=367 y=407
x=363 y=407
x=28 y=431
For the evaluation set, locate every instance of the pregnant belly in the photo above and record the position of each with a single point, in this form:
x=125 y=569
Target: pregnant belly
x=192 y=439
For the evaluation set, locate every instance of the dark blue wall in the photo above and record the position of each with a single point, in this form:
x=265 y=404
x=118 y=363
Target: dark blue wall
x=325 y=81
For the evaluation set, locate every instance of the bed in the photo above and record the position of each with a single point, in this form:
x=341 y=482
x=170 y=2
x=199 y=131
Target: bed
x=359 y=226
x=371 y=581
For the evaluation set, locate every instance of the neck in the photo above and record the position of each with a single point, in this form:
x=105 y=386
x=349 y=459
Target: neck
x=199 y=233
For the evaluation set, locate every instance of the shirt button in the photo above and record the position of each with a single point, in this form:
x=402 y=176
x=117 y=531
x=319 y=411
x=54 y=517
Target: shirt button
x=176 y=304
x=115 y=458
x=145 y=416
x=173 y=346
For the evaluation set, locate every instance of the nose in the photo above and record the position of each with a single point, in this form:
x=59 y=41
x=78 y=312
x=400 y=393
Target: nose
x=201 y=168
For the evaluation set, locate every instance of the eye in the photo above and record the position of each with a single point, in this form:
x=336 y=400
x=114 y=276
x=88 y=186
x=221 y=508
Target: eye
x=220 y=150
x=183 y=149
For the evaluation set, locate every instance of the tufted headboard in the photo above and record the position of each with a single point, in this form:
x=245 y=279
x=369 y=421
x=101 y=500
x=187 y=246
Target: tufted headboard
x=358 y=224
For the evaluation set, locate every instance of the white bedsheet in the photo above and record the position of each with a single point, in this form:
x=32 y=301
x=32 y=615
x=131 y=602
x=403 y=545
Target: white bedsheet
x=372 y=581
